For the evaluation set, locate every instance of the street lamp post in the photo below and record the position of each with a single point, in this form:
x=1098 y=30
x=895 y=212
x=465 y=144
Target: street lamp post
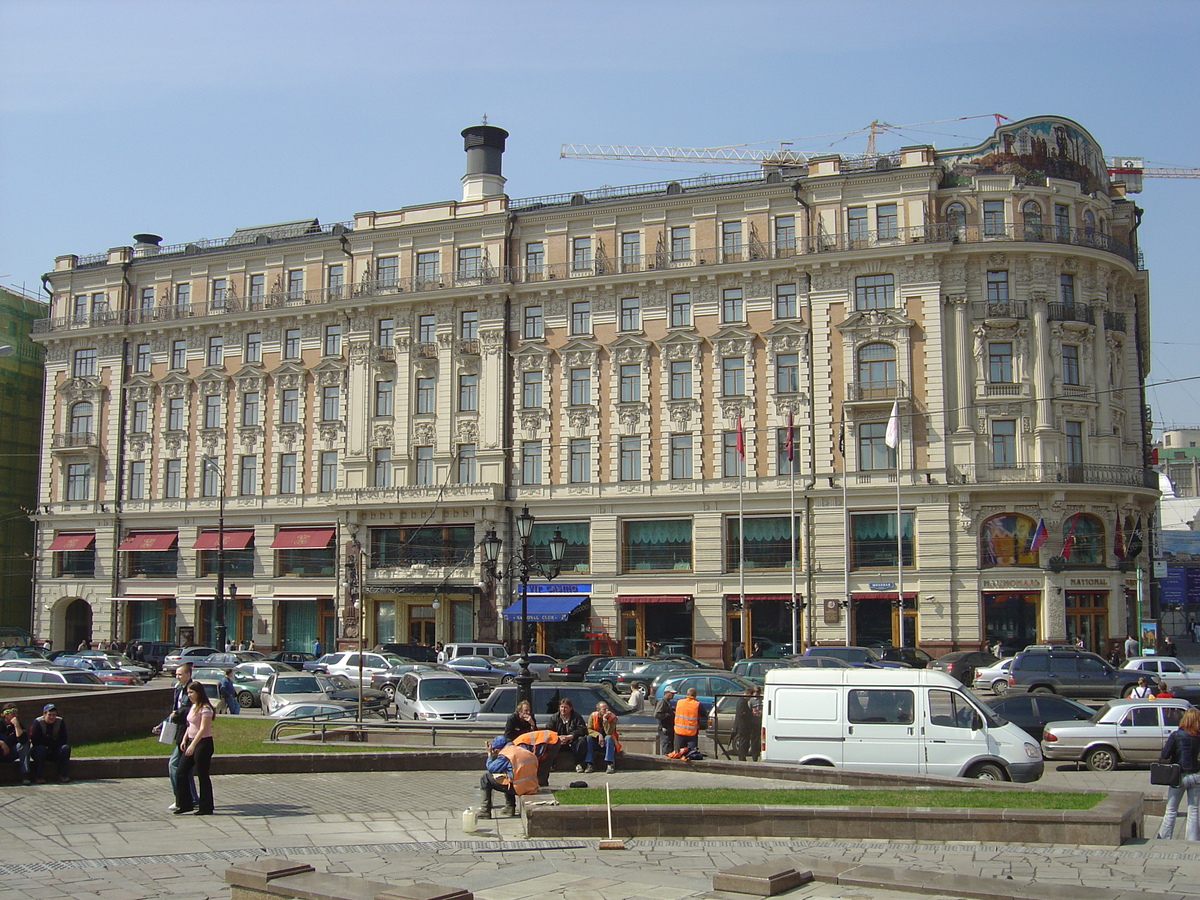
x=526 y=566
x=219 y=593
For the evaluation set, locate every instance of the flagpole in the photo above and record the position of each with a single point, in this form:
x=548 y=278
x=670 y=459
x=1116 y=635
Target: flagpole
x=899 y=535
x=845 y=526
x=791 y=447
x=741 y=446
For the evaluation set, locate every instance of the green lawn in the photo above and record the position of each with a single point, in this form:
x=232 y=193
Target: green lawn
x=233 y=735
x=968 y=797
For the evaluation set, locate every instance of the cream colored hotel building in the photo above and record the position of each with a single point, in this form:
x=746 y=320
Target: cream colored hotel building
x=378 y=393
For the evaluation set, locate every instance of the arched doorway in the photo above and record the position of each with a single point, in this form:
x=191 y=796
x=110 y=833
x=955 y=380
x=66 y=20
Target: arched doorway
x=77 y=623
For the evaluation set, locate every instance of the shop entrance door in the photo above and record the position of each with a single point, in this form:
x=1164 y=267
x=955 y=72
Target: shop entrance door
x=422 y=627
x=632 y=625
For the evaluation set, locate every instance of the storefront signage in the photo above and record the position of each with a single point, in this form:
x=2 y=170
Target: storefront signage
x=1012 y=584
x=560 y=588
x=882 y=585
x=1088 y=582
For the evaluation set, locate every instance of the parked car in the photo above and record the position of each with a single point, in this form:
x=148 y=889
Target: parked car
x=262 y=669
x=606 y=672
x=962 y=664
x=37 y=654
x=573 y=668
x=187 y=654
x=302 y=709
x=756 y=670
x=820 y=662
x=248 y=687
x=233 y=657
x=346 y=662
x=993 y=678
x=539 y=663
x=546 y=696
x=415 y=652
x=481 y=669
x=479 y=648
x=1165 y=668
x=387 y=681
x=48 y=673
x=294 y=658
x=152 y=653
x=104 y=670
x=1121 y=731
x=709 y=684
x=643 y=676
x=285 y=687
x=1031 y=712
x=913 y=656
x=435 y=696
x=143 y=672
x=1070 y=672
x=861 y=657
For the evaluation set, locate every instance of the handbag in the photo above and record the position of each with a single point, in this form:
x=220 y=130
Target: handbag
x=168 y=732
x=1166 y=774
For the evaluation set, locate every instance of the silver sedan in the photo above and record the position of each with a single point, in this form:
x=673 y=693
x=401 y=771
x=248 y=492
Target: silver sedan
x=1121 y=731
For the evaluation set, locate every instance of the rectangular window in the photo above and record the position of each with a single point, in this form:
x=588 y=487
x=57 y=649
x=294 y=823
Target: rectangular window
x=287 y=473
x=533 y=326
x=468 y=325
x=220 y=289
x=426 y=394
x=874 y=292
x=993 y=218
x=291 y=343
x=468 y=392
x=250 y=408
x=631 y=313
x=85 y=363
x=631 y=251
x=329 y=471
x=386 y=333
x=1070 y=363
x=289 y=410
x=335 y=279
x=581 y=460
x=733 y=376
x=141 y=417
x=175 y=414
x=384 y=394
x=178 y=354
x=681 y=380
x=785 y=448
x=423 y=469
x=256 y=286
x=470 y=262
x=873 y=540
x=467 y=472
x=581 y=386
x=79 y=481
x=856 y=223
x=331 y=402
x=785 y=235
x=1000 y=362
x=428 y=266
x=247 y=476
x=997 y=284
x=768 y=542
x=183 y=296
x=787 y=373
x=210 y=481
x=1004 y=443
x=1062 y=221
x=137 y=480
x=681 y=243
x=253 y=347
x=1066 y=289
x=212 y=410
x=731 y=305
x=531 y=390
x=731 y=241
x=426 y=329
x=873 y=452
x=581 y=253
x=387 y=271
x=732 y=464
x=631 y=459
x=531 y=462
x=173 y=479
x=631 y=383
x=681 y=310
x=887 y=224
x=333 y=341
x=1074 y=431
x=535 y=258
x=681 y=457
x=295 y=284
x=785 y=301
x=146 y=301
x=658 y=545
x=216 y=351
x=581 y=317
x=382 y=465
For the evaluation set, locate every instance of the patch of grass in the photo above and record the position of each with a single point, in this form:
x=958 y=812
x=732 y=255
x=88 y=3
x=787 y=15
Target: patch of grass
x=233 y=736
x=968 y=797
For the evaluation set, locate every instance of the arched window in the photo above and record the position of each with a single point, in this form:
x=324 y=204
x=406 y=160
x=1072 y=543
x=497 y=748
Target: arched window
x=956 y=221
x=1031 y=218
x=1089 y=224
x=1005 y=540
x=876 y=371
x=81 y=418
x=1083 y=540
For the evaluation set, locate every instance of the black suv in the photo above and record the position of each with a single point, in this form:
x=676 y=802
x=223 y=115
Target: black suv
x=1070 y=672
x=415 y=652
x=152 y=653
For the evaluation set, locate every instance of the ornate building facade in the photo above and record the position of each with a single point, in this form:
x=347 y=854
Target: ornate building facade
x=692 y=382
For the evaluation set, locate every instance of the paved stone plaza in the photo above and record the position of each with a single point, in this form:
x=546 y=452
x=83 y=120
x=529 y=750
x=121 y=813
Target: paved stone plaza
x=116 y=840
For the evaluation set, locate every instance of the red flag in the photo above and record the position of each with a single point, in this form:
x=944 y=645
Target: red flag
x=1070 y=541
x=790 y=444
x=1119 y=540
x=741 y=439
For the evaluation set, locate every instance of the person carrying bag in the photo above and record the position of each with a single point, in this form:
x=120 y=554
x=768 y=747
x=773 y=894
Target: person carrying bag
x=1182 y=750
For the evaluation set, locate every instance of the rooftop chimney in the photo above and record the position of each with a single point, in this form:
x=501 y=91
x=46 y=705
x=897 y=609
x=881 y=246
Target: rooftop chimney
x=485 y=147
x=146 y=244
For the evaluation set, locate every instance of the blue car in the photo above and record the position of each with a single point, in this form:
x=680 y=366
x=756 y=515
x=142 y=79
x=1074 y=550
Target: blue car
x=861 y=657
x=709 y=684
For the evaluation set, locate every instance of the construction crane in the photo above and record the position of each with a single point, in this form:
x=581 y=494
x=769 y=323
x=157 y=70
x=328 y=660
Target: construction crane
x=1132 y=169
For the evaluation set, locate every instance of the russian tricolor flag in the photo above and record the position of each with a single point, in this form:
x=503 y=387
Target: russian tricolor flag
x=1039 y=536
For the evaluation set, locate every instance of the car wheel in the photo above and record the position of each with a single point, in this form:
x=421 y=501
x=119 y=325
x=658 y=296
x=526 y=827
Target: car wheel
x=1000 y=686
x=987 y=772
x=508 y=679
x=1043 y=689
x=246 y=699
x=611 y=685
x=1101 y=759
x=390 y=690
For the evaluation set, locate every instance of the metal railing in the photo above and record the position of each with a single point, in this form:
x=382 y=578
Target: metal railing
x=70 y=439
x=999 y=309
x=1070 y=312
x=1054 y=473
x=877 y=391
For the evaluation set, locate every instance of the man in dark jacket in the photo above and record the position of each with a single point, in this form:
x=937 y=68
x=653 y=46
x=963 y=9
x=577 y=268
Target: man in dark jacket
x=665 y=714
x=48 y=741
x=178 y=716
x=572 y=731
x=14 y=742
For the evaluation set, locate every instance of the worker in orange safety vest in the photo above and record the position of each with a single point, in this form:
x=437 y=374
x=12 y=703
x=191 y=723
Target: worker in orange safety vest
x=689 y=714
x=544 y=744
x=602 y=737
x=511 y=769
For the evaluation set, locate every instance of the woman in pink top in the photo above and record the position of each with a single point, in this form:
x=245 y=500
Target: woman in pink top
x=197 y=753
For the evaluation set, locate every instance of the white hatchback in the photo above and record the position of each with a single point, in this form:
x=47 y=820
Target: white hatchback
x=346 y=662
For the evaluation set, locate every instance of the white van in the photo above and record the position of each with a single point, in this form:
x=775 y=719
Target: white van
x=907 y=721
x=493 y=652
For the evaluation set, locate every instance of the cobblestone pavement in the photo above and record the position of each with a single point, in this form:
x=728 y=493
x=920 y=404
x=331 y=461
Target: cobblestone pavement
x=116 y=840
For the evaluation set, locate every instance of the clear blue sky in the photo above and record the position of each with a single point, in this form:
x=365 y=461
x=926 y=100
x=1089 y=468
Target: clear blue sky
x=190 y=119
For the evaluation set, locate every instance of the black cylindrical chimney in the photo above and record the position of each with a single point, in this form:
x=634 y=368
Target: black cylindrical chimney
x=485 y=149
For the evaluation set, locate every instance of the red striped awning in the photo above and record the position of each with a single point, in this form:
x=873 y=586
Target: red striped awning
x=763 y=598
x=881 y=595
x=235 y=539
x=78 y=540
x=150 y=540
x=654 y=598
x=302 y=539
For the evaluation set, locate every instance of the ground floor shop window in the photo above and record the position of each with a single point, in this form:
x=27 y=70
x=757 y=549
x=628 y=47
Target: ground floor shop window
x=422 y=625
x=876 y=621
x=303 y=621
x=385 y=622
x=150 y=620
x=462 y=621
x=1011 y=617
x=1087 y=619
x=656 y=626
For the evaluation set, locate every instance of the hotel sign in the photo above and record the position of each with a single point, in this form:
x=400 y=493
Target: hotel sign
x=1012 y=584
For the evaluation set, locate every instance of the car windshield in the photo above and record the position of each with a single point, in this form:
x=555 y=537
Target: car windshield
x=309 y=685
x=80 y=678
x=341 y=682
x=444 y=689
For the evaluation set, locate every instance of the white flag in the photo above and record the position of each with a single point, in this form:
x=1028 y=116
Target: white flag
x=891 y=437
